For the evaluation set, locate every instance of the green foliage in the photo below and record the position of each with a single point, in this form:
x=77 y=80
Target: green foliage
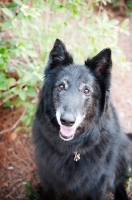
x=129 y=181
x=127 y=6
x=31 y=194
x=32 y=27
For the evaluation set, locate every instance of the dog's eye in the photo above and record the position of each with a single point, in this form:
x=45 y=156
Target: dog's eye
x=61 y=86
x=86 y=91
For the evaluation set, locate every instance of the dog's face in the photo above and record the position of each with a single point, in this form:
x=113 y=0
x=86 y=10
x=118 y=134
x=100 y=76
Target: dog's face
x=75 y=96
x=77 y=89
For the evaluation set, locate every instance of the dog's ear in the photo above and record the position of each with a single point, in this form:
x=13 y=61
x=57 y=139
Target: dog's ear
x=101 y=65
x=59 y=55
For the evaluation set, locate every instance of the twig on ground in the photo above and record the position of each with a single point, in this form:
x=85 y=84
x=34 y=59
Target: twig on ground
x=15 y=125
x=7 y=98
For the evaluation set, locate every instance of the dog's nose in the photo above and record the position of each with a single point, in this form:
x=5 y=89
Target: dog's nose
x=67 y=120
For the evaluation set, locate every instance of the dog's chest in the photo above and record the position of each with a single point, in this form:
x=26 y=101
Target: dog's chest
x=76 y=169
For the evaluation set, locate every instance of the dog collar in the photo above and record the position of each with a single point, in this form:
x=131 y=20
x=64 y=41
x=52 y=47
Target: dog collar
x=76 y=156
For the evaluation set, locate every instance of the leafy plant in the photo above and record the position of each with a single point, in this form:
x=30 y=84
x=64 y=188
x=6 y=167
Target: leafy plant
x=129 y=181
x=126 y=5
x=29 y=29
x=31 y=194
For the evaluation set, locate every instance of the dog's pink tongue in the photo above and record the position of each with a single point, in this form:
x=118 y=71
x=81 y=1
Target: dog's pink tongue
x=67 y=131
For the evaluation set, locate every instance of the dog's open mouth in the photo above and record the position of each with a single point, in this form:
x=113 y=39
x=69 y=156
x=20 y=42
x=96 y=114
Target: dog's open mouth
x=67 y=133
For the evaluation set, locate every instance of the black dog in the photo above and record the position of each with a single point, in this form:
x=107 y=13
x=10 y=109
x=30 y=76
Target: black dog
x=81 y=151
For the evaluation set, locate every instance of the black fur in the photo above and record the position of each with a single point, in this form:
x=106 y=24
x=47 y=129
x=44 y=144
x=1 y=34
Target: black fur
x=80 y=94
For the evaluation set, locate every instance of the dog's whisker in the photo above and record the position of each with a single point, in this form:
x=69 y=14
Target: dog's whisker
x=51 y=118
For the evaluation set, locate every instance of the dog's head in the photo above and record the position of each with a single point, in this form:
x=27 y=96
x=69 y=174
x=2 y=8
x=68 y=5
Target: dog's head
x=76 y=92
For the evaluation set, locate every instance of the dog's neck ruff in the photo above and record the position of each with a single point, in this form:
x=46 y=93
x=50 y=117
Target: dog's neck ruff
x=77 y=156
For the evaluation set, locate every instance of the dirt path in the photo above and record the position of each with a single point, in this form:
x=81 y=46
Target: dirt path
x=122 y=83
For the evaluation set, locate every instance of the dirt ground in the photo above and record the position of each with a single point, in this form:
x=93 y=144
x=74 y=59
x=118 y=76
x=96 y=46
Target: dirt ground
x=122 y=83
x=17 y=166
